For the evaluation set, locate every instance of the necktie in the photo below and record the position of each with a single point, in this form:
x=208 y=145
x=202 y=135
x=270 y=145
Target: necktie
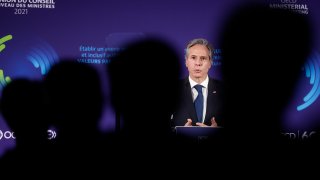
x=198 y=102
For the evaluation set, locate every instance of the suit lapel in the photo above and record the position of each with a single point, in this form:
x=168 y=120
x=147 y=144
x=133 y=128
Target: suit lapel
x=189 y=101
x=210 y=101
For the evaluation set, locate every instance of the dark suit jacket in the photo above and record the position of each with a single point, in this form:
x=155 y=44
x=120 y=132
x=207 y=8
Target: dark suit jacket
x=186 y=107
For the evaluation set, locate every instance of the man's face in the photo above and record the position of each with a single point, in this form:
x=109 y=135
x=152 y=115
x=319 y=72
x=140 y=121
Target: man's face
x=198 y=62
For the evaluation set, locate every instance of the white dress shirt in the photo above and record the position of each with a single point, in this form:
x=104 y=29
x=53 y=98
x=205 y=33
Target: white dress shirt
x=204 y=92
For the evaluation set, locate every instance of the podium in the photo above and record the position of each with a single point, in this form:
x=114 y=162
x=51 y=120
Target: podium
x=199 y=135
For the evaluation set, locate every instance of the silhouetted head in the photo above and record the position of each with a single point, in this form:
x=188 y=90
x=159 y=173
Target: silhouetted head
x=263 y=51
x=23 y=107
x=143 y=81
x=74 y=91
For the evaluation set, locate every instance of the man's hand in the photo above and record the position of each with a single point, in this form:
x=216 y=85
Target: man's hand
x=189 y=122
x=213 y=123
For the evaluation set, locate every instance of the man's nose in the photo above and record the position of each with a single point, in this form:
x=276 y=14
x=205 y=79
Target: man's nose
x=198 y=62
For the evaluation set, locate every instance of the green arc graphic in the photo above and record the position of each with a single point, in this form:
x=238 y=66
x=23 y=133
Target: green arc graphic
x=3 y=40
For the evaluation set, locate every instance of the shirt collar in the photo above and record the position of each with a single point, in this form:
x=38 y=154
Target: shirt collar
x=204 y=83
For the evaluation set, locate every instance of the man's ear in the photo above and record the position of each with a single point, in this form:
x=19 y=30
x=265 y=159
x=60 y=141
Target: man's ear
x=211 y=63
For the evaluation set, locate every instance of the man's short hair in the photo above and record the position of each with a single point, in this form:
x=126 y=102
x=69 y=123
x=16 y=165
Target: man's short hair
x=200 y=41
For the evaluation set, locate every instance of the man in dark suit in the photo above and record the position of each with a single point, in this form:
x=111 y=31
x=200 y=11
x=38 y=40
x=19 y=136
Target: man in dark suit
x=200 y=102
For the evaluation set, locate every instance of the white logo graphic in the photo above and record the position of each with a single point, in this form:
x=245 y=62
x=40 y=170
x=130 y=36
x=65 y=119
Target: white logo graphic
x=51 y=134
x=10 y=134
x=7 y=135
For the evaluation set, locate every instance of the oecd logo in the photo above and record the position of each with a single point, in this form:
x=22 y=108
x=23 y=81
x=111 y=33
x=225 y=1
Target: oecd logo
x=7 y=135
x=52 y=134
x=312 y=71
